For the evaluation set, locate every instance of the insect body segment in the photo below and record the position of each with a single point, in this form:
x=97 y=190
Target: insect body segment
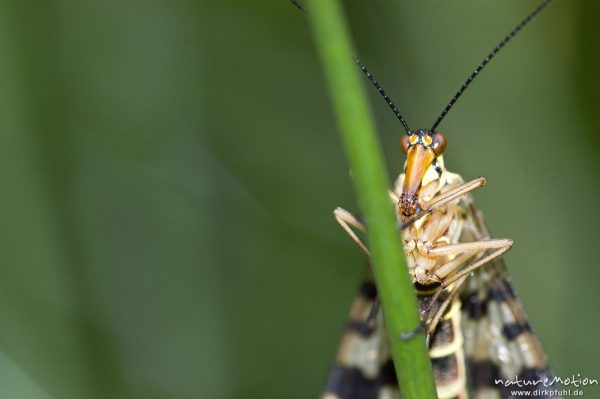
x=476 y=329
x=438 y=261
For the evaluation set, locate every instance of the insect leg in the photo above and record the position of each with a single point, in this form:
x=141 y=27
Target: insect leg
x=454 y=263
x=435 y=314
x=372 y=318
x=407 y=336
x=444 y=198
x=347 y=221
x=472 y=247
x=447 y=272
x=452 y=194
x=432 y=321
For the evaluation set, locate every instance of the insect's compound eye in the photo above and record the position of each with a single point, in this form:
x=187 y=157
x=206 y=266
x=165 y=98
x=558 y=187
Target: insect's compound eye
x=404 y=143
x=439 y=144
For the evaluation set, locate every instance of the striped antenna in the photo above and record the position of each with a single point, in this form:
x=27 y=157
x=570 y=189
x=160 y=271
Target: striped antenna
x=487 y=59
x=389 y=102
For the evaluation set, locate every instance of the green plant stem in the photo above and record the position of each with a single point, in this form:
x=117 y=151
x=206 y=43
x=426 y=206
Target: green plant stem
x=355 y=123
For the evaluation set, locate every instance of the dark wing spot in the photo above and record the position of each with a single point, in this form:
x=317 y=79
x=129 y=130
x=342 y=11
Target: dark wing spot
x=474 y=307
x=513 y=330
x=350 y=383
x=483 y=374
x=368 y=290
x=362 y=328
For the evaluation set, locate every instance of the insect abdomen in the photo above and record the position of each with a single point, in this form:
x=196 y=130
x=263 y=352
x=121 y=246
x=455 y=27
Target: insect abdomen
x=446 y=352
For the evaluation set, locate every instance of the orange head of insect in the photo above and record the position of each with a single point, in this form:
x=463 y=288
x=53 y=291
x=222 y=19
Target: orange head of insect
x=423 y=150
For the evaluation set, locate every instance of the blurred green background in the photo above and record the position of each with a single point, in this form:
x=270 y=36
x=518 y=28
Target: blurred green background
x=169 y=171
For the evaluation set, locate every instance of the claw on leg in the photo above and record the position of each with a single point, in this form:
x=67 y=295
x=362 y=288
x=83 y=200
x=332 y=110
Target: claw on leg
x=407 y=336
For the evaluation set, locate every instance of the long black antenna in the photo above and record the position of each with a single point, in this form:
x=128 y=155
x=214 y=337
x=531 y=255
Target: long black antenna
x=297 y=5
x=487 y=59
x=389 y=102
x=372 y=79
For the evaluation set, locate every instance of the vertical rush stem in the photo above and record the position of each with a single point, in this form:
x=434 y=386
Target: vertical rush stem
x=355 y=123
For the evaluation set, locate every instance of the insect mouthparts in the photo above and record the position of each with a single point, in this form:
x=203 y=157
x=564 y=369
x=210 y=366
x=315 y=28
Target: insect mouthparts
x=408 y=204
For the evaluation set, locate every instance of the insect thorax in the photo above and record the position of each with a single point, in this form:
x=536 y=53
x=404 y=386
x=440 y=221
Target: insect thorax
x=440 y=227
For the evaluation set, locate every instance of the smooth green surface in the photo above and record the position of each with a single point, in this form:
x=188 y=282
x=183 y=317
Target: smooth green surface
x=169 y=169
x=400 y=308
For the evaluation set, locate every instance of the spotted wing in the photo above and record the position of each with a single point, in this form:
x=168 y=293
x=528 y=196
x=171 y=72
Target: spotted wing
x=500 y=346
x=363 y=367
